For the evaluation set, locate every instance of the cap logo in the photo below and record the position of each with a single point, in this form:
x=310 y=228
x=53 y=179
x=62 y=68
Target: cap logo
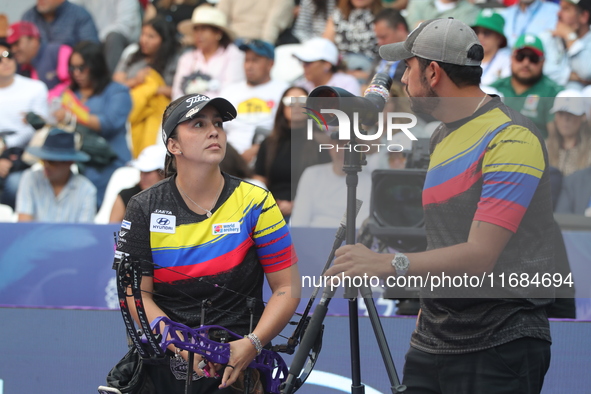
x=192 y=111
x=488 y=12
x=196 y=99
x=529 y=39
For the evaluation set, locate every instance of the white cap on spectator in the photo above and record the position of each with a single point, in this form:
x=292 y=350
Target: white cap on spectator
x=150 y=159
x=571 y=101
x=318 y=49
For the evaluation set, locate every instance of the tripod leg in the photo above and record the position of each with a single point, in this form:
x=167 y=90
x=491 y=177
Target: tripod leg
x=382 y=341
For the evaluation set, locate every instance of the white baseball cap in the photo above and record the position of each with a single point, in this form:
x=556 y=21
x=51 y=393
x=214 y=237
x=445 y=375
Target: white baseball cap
x=318 y=49
x=571 y=101
x=150 y=159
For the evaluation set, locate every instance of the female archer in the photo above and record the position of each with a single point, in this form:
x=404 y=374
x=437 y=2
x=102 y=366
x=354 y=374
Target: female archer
x=206 y=237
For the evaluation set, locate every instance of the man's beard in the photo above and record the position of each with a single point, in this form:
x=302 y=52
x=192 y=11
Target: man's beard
x=425 y=104
x=529 y=81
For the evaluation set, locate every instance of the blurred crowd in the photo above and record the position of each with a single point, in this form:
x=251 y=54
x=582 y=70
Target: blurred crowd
x=90 y=79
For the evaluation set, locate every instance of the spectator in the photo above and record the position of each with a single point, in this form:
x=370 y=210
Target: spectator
x=529 y=17
x=350 y=27
x=568 y=46
x=262 y=19
x=18 y=96
x=174 y=11
x=53 y=193
x=421 y=10
x=311 y=19
x=118 y=23
x=321 y=199
x=286 y=153
x=100 y=105
x=215 y=62
x=150 y=163
x=255 y=99
x=569 y=145
x=389 y=27
x=528 y=90
x=320 y=58
x=62 y=22
x=148 y=73
x=47 y=62
x=496 y=63
x=575 y=196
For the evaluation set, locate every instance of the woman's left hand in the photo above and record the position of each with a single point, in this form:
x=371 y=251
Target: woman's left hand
x=242 y=352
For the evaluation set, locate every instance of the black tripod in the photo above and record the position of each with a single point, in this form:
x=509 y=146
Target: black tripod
x=352 y=166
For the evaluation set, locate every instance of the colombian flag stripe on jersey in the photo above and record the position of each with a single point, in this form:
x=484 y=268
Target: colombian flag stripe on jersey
x=205 y=248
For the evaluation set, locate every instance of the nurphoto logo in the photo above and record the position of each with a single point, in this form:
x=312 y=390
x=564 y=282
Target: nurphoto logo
x=345 y=127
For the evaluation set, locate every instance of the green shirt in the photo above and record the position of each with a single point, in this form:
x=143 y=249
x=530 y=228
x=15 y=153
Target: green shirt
x=535 y=103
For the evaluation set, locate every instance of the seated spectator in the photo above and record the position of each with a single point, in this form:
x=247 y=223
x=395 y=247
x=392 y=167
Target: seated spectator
x=575 y=196
x=100 y=105
x=174 y=11
x=421 y=10
x=350 y=27
x=38 y=60
x=528 y=90
x=53 y=193
x=62 y=22
x=262 y=19
x=214 y=63
x=148 y=73
x=118 y=23
x=568 y=46
x=311 y=19
x=529 y=17
x=18 y=96
x=496 y=63
x=150 y=163
x=320 y=58
x=321 y=199
x=286 y=153
x=256 y=99
x=569 y=145
x=389 y=27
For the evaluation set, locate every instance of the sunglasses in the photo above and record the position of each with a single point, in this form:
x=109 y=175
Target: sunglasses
x=6 y=55
x=288 y=102
x=534 y=58
x=80 y=68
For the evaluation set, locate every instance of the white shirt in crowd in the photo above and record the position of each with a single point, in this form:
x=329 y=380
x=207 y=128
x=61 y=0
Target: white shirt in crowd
x=22 y=96
x=255 y=105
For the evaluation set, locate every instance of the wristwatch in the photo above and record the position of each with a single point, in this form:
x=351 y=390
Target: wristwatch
x=400 y=263
x=572 y=36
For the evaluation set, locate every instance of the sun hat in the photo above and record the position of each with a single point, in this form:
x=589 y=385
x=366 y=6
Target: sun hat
x=443 y=40
x=211 y=16
x=493 y=21
x=190 y=107
x=58 y=146
x=150 y=159
x=316 y=49
x=571 y=101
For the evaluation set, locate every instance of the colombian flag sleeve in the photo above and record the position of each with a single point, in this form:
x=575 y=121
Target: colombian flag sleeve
x=511 y=170
x=273 y=241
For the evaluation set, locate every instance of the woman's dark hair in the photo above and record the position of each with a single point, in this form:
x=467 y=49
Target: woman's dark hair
x=346 y=7
x=461 y=76
x=320 y=8
x=280 y=131
x=94 y=59
x=168 y=48
x=170 y=161
x=234 y=164
x=555 y=143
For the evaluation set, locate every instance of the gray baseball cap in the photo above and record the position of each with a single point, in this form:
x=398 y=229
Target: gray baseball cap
x=444 y=40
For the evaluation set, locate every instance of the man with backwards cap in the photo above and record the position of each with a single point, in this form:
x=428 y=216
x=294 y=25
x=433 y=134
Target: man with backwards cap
x=487 y=212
